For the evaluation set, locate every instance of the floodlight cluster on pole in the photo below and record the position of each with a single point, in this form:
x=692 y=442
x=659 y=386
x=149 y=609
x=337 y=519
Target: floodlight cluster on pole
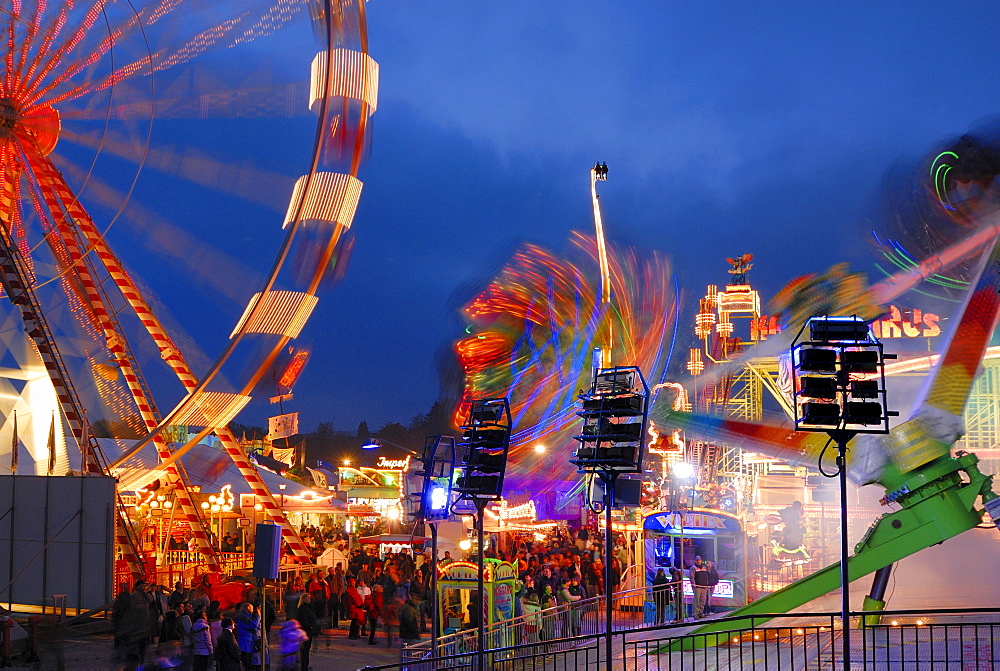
x=614 y=412
x=838 y=378
x=438 y=460
x=614 y=422
x=486 y=440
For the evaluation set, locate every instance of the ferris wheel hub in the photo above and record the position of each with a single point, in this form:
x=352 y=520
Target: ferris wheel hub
x=9 y=115
x=39 y=124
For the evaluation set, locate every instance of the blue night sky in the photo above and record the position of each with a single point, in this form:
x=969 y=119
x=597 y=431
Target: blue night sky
x=727 y=127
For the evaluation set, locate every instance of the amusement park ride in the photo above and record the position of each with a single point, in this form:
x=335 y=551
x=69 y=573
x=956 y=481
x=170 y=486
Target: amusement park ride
x=936 y=494
x=58 y=58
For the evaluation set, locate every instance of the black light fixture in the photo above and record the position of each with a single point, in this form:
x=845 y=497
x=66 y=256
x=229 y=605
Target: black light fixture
x=839 y=377
x=818 y=360
x=614 y=422
x=814 y=386
x=841 y=393
x=486 y=440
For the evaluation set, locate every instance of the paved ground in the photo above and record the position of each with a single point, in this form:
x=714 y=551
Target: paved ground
x=333 y=652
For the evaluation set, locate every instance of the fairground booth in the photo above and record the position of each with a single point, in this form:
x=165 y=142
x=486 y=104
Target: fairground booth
x=676 y=537
x=457 y=585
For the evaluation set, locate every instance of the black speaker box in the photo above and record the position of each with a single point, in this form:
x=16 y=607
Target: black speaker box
x=266 y=551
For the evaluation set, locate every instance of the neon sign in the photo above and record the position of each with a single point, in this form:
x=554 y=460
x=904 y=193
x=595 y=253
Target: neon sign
x=724 y=590
x=907 y=324
x=392 y=464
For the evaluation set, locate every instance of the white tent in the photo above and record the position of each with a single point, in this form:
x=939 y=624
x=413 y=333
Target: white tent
x=331 y=557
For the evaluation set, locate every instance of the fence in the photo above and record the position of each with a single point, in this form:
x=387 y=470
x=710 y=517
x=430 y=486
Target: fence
x=185 y=566
x=941 y=639
x=582 y=618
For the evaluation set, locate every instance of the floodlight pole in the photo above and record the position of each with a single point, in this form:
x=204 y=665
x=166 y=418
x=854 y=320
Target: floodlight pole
x=435 y=617
x=842 y=438
x=480 y=584
x=829 y=340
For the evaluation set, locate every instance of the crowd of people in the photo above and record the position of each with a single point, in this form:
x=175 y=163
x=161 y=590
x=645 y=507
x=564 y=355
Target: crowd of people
x=182 y=629
x=384 y=599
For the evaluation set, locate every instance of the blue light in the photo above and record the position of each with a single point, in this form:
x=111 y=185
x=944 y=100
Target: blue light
x=439 y=498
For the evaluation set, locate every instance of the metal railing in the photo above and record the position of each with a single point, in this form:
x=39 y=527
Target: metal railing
x=185 y=566
x=582 y=618
x=939 y=639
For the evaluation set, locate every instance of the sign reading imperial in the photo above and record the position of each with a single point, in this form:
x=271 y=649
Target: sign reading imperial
x=907 y=324
x=392 y=464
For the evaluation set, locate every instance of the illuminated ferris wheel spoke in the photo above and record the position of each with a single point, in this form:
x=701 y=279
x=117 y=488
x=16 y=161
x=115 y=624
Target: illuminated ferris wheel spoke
x=65 y=209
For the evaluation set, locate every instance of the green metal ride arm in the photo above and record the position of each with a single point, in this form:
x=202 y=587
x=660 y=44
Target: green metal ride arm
x=945 y=509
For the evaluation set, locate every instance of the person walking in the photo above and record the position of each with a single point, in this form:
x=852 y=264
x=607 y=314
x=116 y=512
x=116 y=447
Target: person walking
x=355 y=604
x=409 y=629
x=290 y=597
x=547 y=601
x=310 y=624
x=390 y=616
x=335 y=579
x=291 y=638
x=247 y=633
x=571 y=616
x=319 y=595
x=530 y=607
x=374 y=611
x=202 y=648
x=713 y=580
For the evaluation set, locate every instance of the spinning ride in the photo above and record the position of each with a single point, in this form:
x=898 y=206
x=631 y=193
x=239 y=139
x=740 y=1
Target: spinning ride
x=94 y=101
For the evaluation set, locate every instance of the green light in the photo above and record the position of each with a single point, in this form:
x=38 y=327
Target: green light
x=936 y=158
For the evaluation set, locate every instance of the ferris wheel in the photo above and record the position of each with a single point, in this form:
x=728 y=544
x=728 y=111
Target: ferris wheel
x=113 y=112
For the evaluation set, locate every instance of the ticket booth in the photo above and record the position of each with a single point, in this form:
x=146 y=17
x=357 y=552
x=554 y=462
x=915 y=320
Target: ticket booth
x=457 y=585
x=676 y=537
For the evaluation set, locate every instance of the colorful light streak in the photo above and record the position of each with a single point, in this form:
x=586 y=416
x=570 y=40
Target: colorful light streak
x=534 y=331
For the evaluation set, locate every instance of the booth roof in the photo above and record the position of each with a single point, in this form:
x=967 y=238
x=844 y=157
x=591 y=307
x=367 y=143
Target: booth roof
x=206 y=466
x=392 y=538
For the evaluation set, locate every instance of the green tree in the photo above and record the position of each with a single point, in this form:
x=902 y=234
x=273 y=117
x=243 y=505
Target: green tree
x=364 y=435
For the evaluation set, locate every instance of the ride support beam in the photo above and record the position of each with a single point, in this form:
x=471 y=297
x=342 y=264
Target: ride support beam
x=260 y=490
x=173 y=358
x=116 y=345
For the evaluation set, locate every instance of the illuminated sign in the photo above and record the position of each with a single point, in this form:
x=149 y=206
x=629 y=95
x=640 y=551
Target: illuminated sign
x=724 y=590
x=392 y=464
x=293 y=369
x=907 y=324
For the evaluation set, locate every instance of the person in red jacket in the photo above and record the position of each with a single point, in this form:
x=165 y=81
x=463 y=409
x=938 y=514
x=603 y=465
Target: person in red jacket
x=373 y=610
x=319 y=593
x=355 y=608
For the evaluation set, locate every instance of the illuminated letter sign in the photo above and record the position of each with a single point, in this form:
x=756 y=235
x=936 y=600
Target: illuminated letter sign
x=392 y=464
x=907 y=324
